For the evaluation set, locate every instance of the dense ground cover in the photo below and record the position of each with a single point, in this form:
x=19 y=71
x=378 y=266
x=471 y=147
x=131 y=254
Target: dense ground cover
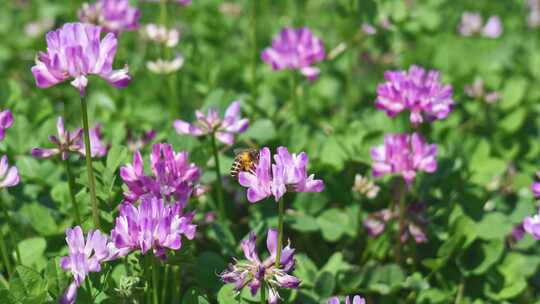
x=392 y=144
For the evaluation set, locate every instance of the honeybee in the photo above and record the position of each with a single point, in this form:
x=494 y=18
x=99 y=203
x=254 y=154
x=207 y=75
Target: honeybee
x=245 y=160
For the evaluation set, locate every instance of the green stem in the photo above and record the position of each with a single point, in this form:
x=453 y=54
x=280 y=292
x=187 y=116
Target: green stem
x=12 y=238
x=401 y=205
x=163 y=12
x=280 y=231
x=294 y=97
x=89 y=167
x=177 y=284
x=263 y=294
x=165 y=279
x=89 y=288
x=155 y=282
x=5 y=255
x=71 y=184
x=146 y=271
x=222 y=212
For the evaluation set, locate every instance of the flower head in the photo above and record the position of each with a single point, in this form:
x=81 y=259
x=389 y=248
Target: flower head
x=161 y=66
x=415 y=222
x=295 y=49
x=160 y=34
x=253 y=272
x=534 y=13
x=531 y=225
x=38 y=27
x=114 y=16
x=365 y=186
x=224 y=129
x=173 y=177
x=6 y=121
x=476 y=90
x=404 y=154
x=375 y=223
x=421 y=92
x=97 y=147
x=472 y=24
x=152 y=225
x=66 y=142
x=355 y=300
x=184 y=2
x=84 y=257
x=76 y=51
x=9 y=176
x=289 y=174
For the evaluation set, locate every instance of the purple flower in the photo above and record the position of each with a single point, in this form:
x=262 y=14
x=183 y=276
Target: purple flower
x=476 y=90
x=375 y=223
x=531 y=225
x=173 y=177
x=255 y=273
x=115 y=16
x=535 y=187
x=418 y=91
x=224 y=129
x=136 y=143
x=9 y=176
x=97 y=147
x=356 y=300
x=493 y=28
x=404 y=154
x=66 y=142
x=37 y=28
x=152 y=225
x=472 y=24
x=75 y=51
x=84 y=257
x=518 y=232
x=6 y=121
x=415 y=223
x=289 y=174
x=295 y=49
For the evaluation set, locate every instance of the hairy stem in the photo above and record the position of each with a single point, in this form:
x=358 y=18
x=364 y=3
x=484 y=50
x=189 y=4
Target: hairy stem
x=71 y=184
x=263 y=294
x=222 y=212
x=89 y=167
x=280 y=230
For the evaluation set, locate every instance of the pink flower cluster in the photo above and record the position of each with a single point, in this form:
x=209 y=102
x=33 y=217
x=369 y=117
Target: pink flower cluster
x=115 y=16
x=72 y=142
x=173 y=177
x=295 y=49
x=472 y=24
x=288 y=174
x=421 y=92
x=154 y=224
x=256 y=273
x=210 y=124
x=404 y=154
x=76 y=51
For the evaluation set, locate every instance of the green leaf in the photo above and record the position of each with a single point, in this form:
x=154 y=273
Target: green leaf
x=513 y=92
x=262 y=130
x=305 y=270
x=479 y=257
x=325 y=284
x=195 y=296
x=32 y=250
x=331 y=223
x=27 y=285
x=116 y=156
x=226 y=295
x=57 y=279
x=514 y=120
x=40 y=219
x=336 y=264
x=208 y=265
x=494 y=225
x=304 y=223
